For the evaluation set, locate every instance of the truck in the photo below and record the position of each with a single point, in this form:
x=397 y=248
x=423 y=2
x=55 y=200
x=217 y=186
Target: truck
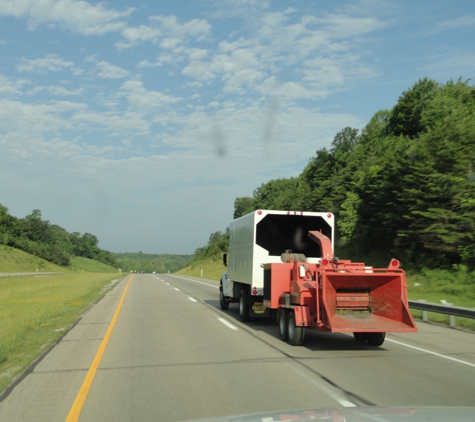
x=282 y=264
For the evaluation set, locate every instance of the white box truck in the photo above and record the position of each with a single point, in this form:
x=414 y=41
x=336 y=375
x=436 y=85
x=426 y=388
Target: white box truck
x=259 y=238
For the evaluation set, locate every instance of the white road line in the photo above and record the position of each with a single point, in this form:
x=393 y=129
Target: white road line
x=192 y=299
x=177 y=289
x=432 y=353
x=322 y=387
x=228 y=324
x=168 y=284
x=196 y=281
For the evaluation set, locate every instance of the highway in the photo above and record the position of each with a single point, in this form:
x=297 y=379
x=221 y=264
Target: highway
x=173 y=355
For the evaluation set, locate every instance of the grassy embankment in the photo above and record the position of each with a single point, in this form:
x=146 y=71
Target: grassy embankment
x=211 y=269
x=14 y=260
x=89 y=265
x=37 y=309
x=456 y=287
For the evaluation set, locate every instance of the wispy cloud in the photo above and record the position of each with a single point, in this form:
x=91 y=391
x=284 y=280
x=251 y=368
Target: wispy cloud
x=165 y=31
x=50 y=63
x=75 y=15
x=463 y=21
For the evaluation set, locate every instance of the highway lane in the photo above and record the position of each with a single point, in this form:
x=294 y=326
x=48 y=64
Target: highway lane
x=174 y=355
x=409 y=369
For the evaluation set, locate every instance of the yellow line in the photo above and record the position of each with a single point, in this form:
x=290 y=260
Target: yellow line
x=76 y=408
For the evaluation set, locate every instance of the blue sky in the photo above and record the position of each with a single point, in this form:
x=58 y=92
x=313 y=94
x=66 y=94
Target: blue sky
x=141 y=122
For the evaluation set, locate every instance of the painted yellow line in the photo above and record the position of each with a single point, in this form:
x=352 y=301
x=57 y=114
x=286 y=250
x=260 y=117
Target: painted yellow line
x=76 y=408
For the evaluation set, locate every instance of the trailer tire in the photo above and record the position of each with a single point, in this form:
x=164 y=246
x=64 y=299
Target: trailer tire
x=360 y=337
x=282 y=324
x=375 y=339
x=295 y=334
x=244 y=306
x=223 y=303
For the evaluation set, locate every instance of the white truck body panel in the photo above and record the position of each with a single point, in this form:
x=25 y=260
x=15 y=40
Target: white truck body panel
x=262 y=236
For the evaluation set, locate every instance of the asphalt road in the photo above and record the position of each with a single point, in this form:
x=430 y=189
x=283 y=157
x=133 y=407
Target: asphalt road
x=173 y=355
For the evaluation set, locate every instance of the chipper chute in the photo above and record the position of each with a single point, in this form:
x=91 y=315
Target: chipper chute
x=359 y=301
x=356 y=298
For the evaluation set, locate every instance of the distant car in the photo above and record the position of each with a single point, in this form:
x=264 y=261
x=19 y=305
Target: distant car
x=153 y=272
x=141 y=272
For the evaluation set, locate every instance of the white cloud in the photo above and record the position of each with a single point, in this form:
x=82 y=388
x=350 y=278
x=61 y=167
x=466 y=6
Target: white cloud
x=120 y=124
x=197 y=28
x=146 y=63
x=75 y=15
x=165 y=30
x=29 y=118
x=139 y=97
x=8 y=87
x=110 y=71
x=198 y=70
x=55 y=90
x=302 y=57
x=50 y=63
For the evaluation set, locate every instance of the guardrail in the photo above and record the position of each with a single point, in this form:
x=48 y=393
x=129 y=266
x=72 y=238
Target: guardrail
x=448 y=309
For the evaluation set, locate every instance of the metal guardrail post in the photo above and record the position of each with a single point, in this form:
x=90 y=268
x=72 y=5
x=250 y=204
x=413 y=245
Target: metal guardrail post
x=425 y=314
x=452 y=321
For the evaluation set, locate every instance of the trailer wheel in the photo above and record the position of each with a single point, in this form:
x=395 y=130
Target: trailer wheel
x=223 y=303
x=375 y=339
x=283 y=329
x=360 y=337
x=296 y=334
x=244 y=306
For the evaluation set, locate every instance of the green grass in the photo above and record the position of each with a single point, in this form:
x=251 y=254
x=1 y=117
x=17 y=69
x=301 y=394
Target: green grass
x=15 y=260
x=211 y=269
x=89 y=265
x=456 y=287
x=36 y=310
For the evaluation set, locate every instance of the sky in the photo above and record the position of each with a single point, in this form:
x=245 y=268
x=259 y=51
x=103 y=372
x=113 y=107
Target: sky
x=141 y=122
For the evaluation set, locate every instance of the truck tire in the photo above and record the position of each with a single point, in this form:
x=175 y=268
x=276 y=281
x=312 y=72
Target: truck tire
x=296 y=334
x=244 y=306
x=375 y=339
x=282 y=324
x=223 y=303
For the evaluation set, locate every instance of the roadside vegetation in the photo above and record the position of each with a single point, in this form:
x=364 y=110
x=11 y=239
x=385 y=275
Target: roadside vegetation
x=48 y=241
x=36 y=310
x=403 y=186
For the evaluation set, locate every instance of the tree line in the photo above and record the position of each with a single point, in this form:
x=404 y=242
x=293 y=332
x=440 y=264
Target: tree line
x=161 y=263
x=402 y=186
x=51 y=242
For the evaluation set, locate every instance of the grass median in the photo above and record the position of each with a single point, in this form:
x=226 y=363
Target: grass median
x=36 y=310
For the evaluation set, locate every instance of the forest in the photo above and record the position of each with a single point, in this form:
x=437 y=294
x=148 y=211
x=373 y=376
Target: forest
x=403 y=186
x=38 y=237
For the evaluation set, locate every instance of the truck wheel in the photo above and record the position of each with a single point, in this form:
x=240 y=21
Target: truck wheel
x=244 y=306
x=283 y=333
x=375 y=339
x=296 y=334
x=223 y=303
x=360 y=337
